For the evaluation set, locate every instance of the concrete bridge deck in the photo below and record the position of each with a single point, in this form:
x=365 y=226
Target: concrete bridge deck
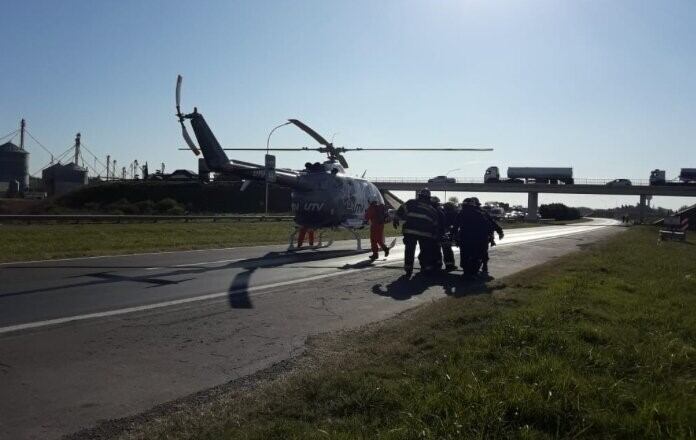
x=636 y=190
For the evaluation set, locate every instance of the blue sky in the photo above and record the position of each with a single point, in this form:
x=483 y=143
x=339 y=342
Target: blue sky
x=607 y=87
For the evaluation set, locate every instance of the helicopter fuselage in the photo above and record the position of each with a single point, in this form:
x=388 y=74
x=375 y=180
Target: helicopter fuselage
x=332 y=200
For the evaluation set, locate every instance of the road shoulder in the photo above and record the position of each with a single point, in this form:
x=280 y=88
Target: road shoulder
x=338 y=314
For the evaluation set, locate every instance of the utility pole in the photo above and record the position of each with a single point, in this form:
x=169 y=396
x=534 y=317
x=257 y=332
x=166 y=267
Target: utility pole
x=77 y=148
x=108 y=164
x=22 y=126
x=123 y=173
x=269 y=160
x=113 y=170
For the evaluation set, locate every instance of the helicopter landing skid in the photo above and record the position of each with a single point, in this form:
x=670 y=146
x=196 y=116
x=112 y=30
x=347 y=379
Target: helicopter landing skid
x=356 y=236
x=320 y=245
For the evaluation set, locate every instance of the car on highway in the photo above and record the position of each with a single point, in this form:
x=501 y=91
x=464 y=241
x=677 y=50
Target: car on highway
x=619 y=182
x=442 y=179
x=514 y=215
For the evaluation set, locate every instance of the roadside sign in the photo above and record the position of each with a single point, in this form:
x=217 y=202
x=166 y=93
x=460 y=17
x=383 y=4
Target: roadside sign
x=270 y=168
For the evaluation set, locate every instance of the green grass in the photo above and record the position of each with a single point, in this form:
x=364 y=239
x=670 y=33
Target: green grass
x=598 y=344
x=47 y=241
x=32 y=242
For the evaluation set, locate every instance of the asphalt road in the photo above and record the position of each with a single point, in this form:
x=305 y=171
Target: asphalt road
x=88 y=339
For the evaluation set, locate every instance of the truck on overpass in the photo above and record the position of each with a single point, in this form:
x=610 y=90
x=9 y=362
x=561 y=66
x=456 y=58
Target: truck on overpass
x=549 y=175
x=686 y=176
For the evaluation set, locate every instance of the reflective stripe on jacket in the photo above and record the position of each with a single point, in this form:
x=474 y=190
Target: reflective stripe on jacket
x=421 y=219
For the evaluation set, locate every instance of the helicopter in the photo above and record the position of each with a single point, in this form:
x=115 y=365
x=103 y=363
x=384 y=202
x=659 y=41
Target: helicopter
x=323 y=196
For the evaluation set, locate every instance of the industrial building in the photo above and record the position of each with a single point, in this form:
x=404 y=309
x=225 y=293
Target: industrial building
x=14 y=167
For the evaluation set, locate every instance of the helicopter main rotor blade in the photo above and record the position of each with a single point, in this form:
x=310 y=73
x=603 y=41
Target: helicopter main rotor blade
x=342 y=160
x=269 y=149
x=304 y=127
x=342 y=149
x=178 y=95
x=184 y=132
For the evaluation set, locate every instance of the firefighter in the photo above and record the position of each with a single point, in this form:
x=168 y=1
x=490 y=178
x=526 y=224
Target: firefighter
x=451 y=211
x=423 y=225
x=473 y=232
x=494 y=228
x=436 y=257
x=304 y=230
x=376 y=214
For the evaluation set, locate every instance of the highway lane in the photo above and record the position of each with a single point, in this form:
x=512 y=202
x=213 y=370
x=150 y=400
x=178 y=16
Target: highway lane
x=32 y=293
x=171 y=324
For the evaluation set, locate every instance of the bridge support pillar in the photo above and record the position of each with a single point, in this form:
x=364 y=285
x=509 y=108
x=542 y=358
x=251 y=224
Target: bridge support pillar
x=641 y=208
x=532 y=206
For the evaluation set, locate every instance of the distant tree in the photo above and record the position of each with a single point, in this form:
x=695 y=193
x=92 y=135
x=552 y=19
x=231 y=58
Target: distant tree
x=454 y=200
x=585 y=211
x=559 y=211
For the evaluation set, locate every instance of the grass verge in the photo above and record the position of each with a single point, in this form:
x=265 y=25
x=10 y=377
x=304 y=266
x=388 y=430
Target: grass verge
x=33 y=242
x=596 y=344
x=48 y=241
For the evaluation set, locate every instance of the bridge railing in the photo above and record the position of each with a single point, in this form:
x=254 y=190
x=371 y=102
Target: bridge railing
x=425 y=180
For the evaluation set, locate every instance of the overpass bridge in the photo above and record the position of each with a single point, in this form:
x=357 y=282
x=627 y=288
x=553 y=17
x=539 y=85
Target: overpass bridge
x=582 y=186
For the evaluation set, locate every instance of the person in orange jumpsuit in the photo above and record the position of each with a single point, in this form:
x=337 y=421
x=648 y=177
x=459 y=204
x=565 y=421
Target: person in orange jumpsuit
x=376 y=214
x=304 y=230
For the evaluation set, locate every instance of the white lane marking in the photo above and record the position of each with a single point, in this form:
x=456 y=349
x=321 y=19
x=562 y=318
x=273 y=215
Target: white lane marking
x=37 y=324
x=123 y=311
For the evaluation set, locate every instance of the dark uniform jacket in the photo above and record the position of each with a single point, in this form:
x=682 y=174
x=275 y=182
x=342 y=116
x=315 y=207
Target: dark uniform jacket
x=472 y=227
x=451 y=213
x=421 y=219
x=495 y=226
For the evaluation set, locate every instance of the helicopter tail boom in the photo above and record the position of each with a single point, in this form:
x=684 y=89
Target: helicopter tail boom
x=214 y=156
x=217 y=160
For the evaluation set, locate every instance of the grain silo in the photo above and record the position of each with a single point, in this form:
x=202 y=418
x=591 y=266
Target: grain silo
x=14 y=165
x=59 y=178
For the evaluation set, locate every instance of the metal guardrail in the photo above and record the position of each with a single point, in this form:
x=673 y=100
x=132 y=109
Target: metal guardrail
x=106 y=218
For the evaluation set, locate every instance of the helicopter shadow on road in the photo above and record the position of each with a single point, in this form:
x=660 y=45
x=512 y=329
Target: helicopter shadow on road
x=452 y=284
x=238 y=292
x=238 y=295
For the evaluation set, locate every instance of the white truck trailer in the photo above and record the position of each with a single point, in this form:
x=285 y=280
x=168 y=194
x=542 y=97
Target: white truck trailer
x=552 y=175
x=686 y=176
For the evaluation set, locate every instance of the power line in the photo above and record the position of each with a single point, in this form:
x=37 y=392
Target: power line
x=57 y=160
x=9 y=134
x=39 y=143
x=82 y=144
